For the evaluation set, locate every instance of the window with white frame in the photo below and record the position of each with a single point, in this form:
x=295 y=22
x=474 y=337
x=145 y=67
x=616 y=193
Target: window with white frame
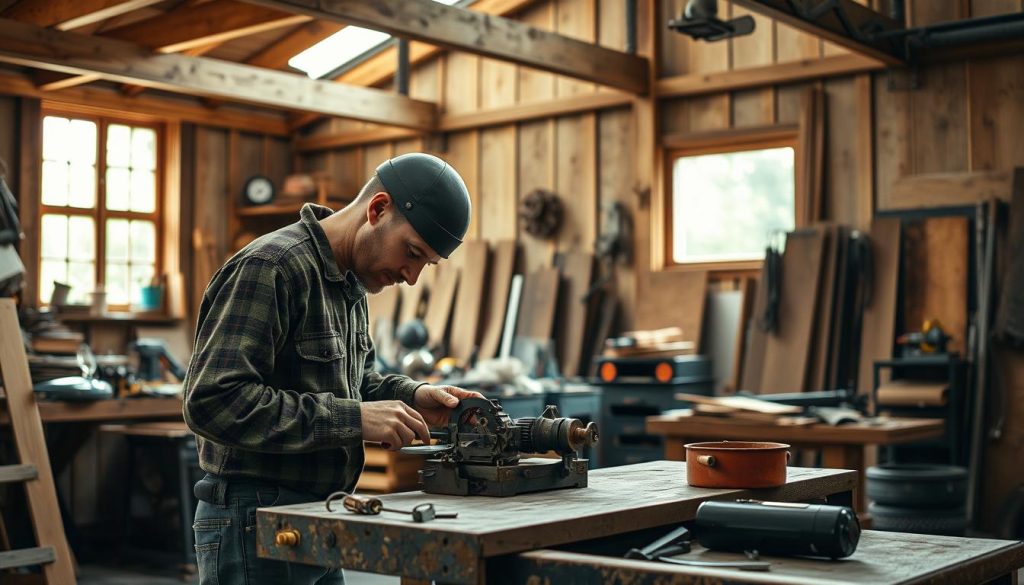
x=99 y=207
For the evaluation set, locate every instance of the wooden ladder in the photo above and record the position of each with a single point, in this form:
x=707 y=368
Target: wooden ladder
x=52 y=552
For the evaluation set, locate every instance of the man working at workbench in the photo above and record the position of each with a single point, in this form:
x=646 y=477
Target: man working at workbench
x=281 y=391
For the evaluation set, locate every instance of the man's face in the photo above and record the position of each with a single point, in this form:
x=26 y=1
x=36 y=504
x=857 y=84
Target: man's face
x=388 y=249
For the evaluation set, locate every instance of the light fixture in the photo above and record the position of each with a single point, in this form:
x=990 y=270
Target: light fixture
x=700 y=21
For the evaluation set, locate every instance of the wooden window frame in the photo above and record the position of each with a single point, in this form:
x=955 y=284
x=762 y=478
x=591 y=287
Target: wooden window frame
x=100 y=214
x=674 y=146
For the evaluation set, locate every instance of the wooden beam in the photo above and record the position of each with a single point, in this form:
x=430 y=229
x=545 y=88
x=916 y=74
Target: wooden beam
x=847 y=23
x=782 y=73
x=192 y=31
x=277 y=55
x=948 y=190
x=535 y=111
x=133 y=90
x=489 y=36
x=362 y=137
x=71 y=53
x=153 y=106
x=70 y=14
x=189 y=27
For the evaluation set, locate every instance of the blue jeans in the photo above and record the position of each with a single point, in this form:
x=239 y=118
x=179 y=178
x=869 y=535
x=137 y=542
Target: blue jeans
x=225 y=528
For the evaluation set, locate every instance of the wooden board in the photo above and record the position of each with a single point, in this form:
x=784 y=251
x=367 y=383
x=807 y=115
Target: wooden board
x=674 y=299
x=497 y=291
x=498 y=184
x=996 y=97
x=536 y=170
x=753 y=354
x=935 y=270
x=878 y=328
x=821 y=340
x=577 y=270
x=839 y=353
x=439 y=306
x=1001 y=466
x=721 y=328
x=466 y=323
x=788 y=348
x=887 y=432
x=539 y=304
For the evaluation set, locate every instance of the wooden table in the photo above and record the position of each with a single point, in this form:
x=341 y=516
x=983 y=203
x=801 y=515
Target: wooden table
x=882 y=558
x=842 y=447
x=618 y=500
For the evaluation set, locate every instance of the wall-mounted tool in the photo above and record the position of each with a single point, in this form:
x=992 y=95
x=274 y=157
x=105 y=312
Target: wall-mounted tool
x=479 y=452
x=541 y=213
x=153 y=358
x=700 y=21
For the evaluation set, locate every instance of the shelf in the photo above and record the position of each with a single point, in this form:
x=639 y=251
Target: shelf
x=272 y=209
x=126 y=318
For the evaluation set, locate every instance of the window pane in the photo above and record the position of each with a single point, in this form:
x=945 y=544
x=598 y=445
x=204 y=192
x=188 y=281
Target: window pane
x=118 y=189
x=143 y=191
x=56 y=138
x=82 y=278
x=82 y=238
x=82 y=145
x=117 y=240
x=118 y=145
x=143 y=148
x=54 y=236
x=141 y=275
x=117 y=284
x=726 y=205
x=49 y=271
x=55 y=183
x=83 y=186
x=143 y=242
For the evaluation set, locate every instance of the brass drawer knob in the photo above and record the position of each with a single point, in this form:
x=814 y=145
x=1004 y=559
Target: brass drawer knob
x=288 y=537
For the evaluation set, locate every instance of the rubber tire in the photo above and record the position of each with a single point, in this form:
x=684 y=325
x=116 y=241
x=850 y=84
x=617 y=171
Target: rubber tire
x=917 y=486
x=949 y=522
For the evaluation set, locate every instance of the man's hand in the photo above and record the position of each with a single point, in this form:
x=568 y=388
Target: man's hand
x=436 y=402
x=392 y=423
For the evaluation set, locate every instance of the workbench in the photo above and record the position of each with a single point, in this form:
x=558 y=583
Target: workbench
x=618 y=501
x=842 y=447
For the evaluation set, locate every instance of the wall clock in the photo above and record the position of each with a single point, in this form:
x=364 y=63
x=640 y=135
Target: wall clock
x=258 y=190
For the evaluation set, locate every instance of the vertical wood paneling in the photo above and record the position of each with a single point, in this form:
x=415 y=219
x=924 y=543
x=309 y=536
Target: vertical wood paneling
x=536 y=171
x=611 y=24
x=753 y=50
x=407 y=146
x=939 y=119
x=841 y=168
x=575 y=19
x=674 y=47
x=793 y=45
x=788 y=99
x=210 y=206
x=924 y=12
x=28 y=170
x=278 y=159
x=425 y=81
x=498 y=83
x=615 y=183
x=462 y=83
x=707 y=112
x=373 y=155
x=464 y=155
x=754 y=107
x=892 y=137
x=996 y=98
x=536 y=85
x=345 y=170
x=9 y=140
x=498 y=183
x=575 y=170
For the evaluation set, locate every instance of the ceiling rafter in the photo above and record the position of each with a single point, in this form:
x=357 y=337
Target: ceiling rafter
x=33 y=46
x=71 y=14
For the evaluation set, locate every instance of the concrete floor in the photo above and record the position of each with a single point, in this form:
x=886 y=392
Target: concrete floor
x=140 y=575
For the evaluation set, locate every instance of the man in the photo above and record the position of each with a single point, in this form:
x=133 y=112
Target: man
x=281 y=390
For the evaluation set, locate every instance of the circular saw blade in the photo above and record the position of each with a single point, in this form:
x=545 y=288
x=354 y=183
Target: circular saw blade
x=425 y=449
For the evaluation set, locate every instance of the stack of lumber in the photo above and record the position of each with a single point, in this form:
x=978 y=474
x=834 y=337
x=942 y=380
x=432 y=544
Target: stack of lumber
x=666 y=342
x=742 y=410
x=388 y=471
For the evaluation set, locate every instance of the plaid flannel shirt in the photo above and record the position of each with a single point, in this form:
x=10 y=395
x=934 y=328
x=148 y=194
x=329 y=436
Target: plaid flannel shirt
x=281 y=362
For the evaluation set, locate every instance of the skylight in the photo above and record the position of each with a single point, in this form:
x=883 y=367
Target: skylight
x=342 y=47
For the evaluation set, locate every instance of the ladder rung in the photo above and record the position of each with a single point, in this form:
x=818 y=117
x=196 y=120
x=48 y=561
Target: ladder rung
x=23 y=472
x=27 y=557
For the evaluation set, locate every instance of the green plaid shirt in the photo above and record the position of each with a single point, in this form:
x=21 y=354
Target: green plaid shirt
x=281 y=362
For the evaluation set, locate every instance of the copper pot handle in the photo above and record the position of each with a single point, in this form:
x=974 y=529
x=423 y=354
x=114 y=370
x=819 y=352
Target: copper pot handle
x=708 y=460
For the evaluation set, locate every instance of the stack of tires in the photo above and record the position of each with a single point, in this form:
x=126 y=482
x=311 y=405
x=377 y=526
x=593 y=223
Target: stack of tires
x=924 y=499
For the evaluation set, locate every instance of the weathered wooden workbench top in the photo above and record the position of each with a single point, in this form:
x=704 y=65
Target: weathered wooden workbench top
x=618 y=500
x=882 y=558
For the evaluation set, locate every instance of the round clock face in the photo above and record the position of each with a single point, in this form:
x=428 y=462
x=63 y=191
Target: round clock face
x=259 y=190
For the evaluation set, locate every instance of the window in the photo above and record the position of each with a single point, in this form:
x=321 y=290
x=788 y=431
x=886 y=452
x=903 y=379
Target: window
x=345 y=48
x=99 y=172
x=725 y=201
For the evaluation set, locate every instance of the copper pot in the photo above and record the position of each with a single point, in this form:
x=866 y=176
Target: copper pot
x=736 y=464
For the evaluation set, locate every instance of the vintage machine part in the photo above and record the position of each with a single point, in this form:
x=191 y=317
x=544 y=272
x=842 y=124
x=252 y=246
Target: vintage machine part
x=370 y=506
x=479 y=452
x=778 y=528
